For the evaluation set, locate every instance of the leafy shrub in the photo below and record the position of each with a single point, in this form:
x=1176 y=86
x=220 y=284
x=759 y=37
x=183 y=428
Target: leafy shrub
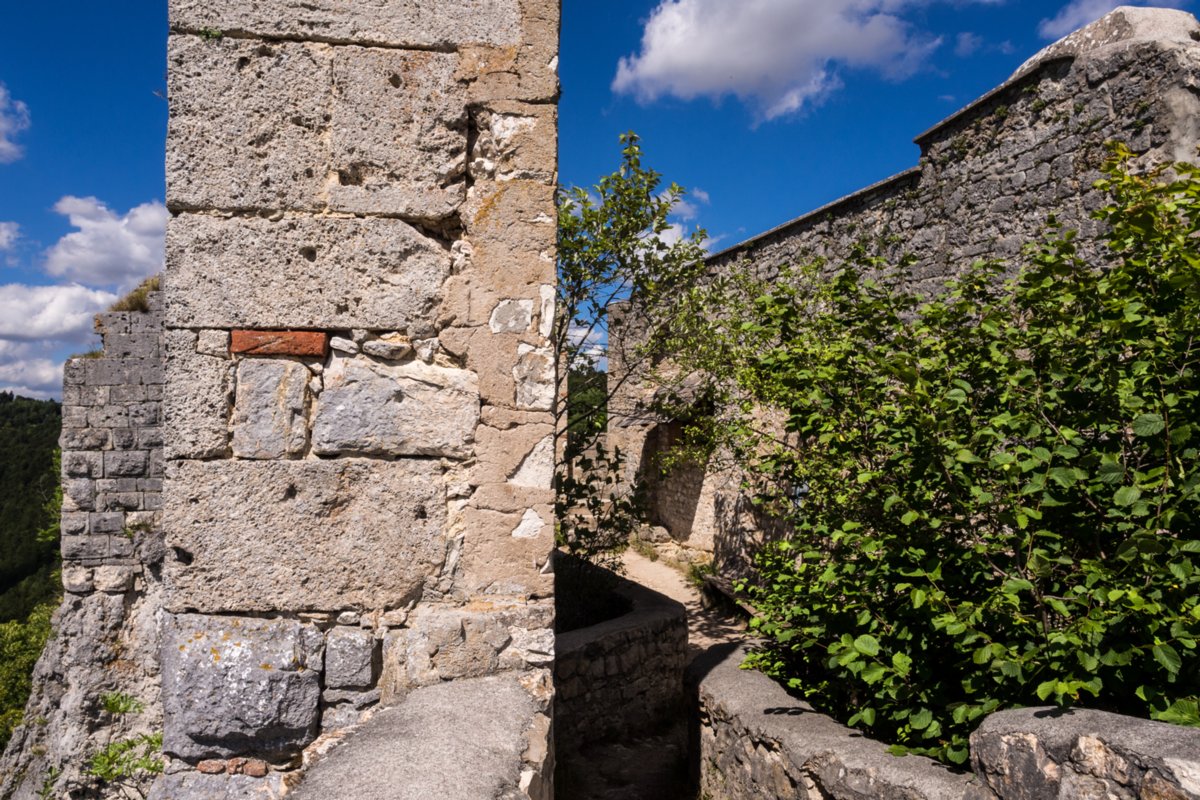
x=992 y=493
x=21 y=643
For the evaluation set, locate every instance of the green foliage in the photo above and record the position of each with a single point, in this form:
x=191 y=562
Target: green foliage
x=28 y=484
x=611 y=245
x=129 y=765
x=20 y=645
x=993 y=493
x=119 y=704
x=139 y=298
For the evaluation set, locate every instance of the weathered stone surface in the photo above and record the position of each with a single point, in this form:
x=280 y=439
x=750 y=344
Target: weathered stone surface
x=413 y=408
x=399 y=137
x=198 y=786
x=1073 y=755
x=306 y=272
x=349 y=658
x=279 y=343
x=534 y=377
x=196 y=399
x=457 y=740
x=537 y=468
x=391 y=347
x=409 y=23
x=746 y=753
x=302 y=535
x=236 y=685
x=247 y=126
x=270 y=411
x=512 y=316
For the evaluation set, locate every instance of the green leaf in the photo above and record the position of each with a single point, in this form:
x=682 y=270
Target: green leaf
x=867 y=644
x=1127 y=496
x=920 y=720
x=1148 y=425
x=1168 y=657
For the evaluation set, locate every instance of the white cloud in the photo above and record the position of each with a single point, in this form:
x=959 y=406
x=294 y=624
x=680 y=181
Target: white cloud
x=30 y=313
x=966 y=44
x=14 y=118
x=776 y=55
x=38 y=377
x=1078 y=13
x=702 y=196
x=9 y=231
x=108 y=249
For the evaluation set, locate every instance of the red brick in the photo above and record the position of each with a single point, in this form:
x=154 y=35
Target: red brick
x=280 y=343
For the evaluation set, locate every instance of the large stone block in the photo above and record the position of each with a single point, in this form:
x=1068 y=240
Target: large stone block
x=349 y=658
x=301 y=535
x=235 y=686
x=399 y=135
x=327 y=273
x=403 y=23
x=270 y=412
x=411 y=408
x=196 y=400
x=247 y=124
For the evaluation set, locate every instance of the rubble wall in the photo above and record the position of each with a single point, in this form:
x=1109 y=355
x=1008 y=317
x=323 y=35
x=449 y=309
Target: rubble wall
x=106 y=632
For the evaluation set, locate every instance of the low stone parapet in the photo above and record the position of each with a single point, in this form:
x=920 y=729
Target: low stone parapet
x=622 y=678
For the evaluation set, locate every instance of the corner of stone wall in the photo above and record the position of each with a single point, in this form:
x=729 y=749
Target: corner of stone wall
x=360 y=272
x=106 y=632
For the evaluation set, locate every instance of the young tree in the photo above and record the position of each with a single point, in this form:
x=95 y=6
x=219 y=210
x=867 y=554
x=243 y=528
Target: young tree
x=615 y=244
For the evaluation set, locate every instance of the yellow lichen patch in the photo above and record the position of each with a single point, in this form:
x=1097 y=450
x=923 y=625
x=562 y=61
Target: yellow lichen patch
x=265 y=666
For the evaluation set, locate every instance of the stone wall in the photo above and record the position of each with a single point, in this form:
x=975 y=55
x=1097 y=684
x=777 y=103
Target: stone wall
x=360 y=268
x=987 y=180
x=107 y=629
x=753 y=740
x=622 y=678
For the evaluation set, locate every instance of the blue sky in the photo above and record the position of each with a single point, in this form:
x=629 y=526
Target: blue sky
x=767 y=108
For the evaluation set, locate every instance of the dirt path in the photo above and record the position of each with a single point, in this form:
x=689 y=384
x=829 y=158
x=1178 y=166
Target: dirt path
x=706 y=626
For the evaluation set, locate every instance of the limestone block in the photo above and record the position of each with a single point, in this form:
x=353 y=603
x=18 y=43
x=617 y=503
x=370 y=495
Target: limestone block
x=269 y=412
x=236 y=685
x=247 y=125
x=213 y=343
x=443 y=644
x=534 y=378
x=396 y=23
x=399 y=133
x=301 y=535
x=507 y=454
x=196 y=400
x=113 y=579
x=411 y=408
x=537 y=468
x=512 y=316
x=391 y=347
x=528 y=72
x=494 y=562
x=513 y=236
x=349 y=653
x=516 y=141
x=301 y=272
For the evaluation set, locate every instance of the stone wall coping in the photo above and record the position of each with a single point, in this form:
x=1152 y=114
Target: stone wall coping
x=1123 y=27
x=462 y=739
x=814 y=742
x=1074 y=735
x=861 y=195
x=649 y=607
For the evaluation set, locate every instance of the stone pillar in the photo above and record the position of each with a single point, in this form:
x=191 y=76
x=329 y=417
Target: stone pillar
x=360 y=268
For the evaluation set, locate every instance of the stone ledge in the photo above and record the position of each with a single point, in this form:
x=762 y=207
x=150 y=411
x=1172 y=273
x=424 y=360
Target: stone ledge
x=756 y=740
x=463 y=739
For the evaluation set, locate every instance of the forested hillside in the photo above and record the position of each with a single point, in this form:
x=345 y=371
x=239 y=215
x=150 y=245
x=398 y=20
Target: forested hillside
x=28 y=483
x=29 y=507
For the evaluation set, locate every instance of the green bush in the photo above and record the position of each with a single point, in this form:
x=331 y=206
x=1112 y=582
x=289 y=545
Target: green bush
x=992 y=494
x=20 y=645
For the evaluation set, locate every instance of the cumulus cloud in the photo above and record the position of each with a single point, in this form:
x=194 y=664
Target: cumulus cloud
x=14 y=118
x=775 y=55
x=64 y=313
x=1078 y=13
x=9 y=231
x=108 y=249
x=40 y=378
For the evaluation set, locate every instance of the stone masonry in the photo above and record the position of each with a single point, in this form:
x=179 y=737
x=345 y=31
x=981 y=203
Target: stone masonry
x=988 y=178
x=358 y=193
x=106 y=630
x=348 y=495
